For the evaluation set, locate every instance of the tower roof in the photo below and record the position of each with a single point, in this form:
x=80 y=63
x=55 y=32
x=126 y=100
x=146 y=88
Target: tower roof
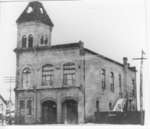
x=35 y=12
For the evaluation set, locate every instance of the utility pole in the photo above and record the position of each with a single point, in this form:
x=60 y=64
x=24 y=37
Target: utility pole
x=10 y=80
x=141 y=77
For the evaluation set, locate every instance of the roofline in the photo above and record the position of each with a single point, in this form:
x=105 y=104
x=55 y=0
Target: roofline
x=35 y=21
x=59 y=46
x=78 y=44
x=111 y=60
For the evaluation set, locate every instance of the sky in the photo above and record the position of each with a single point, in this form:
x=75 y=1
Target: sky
x=113 y=28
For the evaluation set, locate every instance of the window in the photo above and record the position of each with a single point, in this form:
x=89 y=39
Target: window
x=46 y=40
x=120 y=81
x=26 y=78
x=133 y=88
x=97 y=105
x=103 y=79
x=120 y=86
x=22 y=106
x=42 y=40
x=24 y=40
x=110 y=106
x=41 y=10
x=29 y=107
x=30 y=41
x=29 y=10
x=47 y=74
x=69 y=74
x=112 y=81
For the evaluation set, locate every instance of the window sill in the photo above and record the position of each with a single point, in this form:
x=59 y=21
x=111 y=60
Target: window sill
x=62 y=87
x=23 y=89
x=48 y=87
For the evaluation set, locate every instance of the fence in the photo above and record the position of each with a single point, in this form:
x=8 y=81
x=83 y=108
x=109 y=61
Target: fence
x=134 y=117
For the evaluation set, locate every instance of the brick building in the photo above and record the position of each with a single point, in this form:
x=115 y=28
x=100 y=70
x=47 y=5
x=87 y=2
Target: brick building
x=64 y=83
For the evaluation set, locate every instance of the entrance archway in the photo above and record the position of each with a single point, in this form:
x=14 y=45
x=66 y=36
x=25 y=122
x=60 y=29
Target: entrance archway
x=70 y=112
x=49 y=112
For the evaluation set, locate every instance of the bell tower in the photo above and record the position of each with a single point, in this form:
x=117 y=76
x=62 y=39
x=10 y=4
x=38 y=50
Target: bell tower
x=34 y=27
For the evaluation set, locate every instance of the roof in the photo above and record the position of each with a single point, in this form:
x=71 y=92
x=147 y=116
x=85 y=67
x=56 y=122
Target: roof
x=94 y=53
x=106 y=58
x=68 y=45
x=35 y=12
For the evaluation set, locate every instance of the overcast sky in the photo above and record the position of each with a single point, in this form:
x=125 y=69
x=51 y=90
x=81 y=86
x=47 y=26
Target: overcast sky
x=113 y=28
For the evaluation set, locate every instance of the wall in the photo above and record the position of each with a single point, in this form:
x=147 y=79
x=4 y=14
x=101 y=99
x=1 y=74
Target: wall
x=94 y=91
x=57 y=57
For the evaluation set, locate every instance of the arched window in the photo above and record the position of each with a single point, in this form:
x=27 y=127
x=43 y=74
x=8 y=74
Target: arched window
x=22 y=107
x=112 y=81
x=42 y=39
x=97 y=105
x=41 y=10
x=29 y=107
x=47 y=74
x=103 y=72
x=30 y=41
x=46 y=40
x=69 y=74
x=120 y=86
x=26 y=78
x=29 y=10
x=133 y=93
x=24 y=40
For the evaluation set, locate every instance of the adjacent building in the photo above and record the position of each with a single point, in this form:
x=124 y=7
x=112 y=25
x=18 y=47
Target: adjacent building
x=64 y=83
x=3 y=107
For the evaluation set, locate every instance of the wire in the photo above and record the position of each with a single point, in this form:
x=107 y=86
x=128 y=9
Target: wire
x=11 y=1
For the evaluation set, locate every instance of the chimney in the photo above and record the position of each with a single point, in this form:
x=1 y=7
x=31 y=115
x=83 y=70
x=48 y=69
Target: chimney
x=81 y=43
x=128 y=65
x=82 y=52
x=125 y=61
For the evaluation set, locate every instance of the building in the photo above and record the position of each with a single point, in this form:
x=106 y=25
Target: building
x=10 y=112
x=64 y=83
x=3 y=107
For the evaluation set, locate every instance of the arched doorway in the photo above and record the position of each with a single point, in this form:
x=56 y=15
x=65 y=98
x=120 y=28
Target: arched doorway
x=49 y=112
x=70 y=112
